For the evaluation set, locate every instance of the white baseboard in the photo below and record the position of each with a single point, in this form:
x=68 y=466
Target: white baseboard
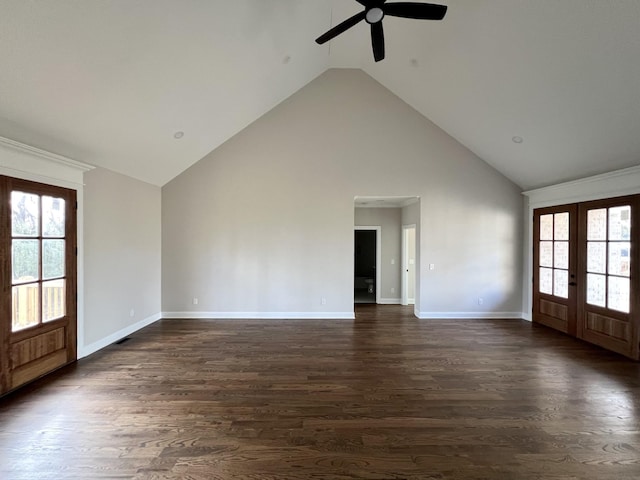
x=479 y=315
x=86 y=350
x=390 y=301
x=262 y=315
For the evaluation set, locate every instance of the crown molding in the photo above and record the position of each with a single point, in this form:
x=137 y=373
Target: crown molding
x=53 y=157
x=635 y=170
x=611 y=184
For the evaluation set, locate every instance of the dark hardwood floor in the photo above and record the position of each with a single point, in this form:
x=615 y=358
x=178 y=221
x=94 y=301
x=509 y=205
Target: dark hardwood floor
x=383 y=397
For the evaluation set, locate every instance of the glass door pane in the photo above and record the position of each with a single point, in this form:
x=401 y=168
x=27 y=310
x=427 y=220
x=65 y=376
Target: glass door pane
x=553 y=258
x=609 y=257
x=53 y=300
x=25 y=260
x=26 y=306
x=25 y=214
x=38 y=252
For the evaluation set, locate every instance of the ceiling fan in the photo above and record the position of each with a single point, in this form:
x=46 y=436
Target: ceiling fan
x=373 y=13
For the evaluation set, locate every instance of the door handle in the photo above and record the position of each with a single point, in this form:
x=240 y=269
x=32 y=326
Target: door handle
x=573 y=284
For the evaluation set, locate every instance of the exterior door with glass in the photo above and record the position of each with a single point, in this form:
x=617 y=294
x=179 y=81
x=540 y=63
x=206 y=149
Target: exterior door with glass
x=554 y=273
x=38 y=280
x=608 y=314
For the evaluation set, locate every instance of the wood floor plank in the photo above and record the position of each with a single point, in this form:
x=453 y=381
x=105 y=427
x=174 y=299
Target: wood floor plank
x=383 y=397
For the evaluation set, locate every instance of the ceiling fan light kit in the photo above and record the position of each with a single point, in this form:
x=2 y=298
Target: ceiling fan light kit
x=375 y=11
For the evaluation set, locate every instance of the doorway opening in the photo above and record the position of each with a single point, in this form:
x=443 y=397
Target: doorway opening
x=389 y=283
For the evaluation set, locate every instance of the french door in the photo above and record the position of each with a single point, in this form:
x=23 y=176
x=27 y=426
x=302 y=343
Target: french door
x=38 y=280
x=609 y=240
x=555 y=261
x=586 y=265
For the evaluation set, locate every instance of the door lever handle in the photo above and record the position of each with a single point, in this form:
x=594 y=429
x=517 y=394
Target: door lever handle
x=573 y=284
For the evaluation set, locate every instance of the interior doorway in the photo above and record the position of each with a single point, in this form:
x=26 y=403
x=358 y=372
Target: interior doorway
x=366 y=264
x=388 y=215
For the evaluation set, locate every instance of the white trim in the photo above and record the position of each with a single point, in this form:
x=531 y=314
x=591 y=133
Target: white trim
x=36 y=177
x=29 y=163
x=53 y=157
x=114 y=337
x=262 y=315
x=390 y=301
x=385 y=202
x=608 y=185
x=461 y=315
x=378 y=230
x=80 y=326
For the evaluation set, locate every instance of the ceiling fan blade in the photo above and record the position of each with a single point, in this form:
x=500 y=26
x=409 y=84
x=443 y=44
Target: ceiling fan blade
x=420 y=11
x=341 y=28
x=377 y=41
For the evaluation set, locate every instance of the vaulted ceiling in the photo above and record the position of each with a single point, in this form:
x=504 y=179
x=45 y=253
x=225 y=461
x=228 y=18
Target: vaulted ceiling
x=112 y=82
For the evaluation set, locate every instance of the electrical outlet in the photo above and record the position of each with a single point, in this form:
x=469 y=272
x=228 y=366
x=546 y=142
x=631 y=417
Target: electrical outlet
x=323 y=301
x=132 y=312
x=393 y=289
x=480 y=301
x=195 y=300
x=432 y=266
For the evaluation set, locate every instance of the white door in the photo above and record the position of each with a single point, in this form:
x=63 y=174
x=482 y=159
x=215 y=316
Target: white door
x=408 y=278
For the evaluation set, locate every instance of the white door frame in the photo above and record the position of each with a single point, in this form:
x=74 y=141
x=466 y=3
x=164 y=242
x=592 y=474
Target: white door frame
x=378 y=230
x=404 y=278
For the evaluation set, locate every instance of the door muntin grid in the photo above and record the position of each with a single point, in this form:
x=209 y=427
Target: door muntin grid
x=553 y=263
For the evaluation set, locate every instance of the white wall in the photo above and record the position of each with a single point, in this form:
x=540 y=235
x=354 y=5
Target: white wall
x=122 y=237
x=263 y=226
x=389 y=219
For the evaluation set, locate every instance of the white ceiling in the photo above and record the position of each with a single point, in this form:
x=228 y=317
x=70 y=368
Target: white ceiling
x=109 y=82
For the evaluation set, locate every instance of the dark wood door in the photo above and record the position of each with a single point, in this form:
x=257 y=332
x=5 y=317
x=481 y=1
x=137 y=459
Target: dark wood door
x=554 y=267
x=38 y=280
x=608 y=309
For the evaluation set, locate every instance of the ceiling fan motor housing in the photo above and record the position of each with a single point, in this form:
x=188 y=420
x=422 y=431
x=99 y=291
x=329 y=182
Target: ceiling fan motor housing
x=374 y=15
